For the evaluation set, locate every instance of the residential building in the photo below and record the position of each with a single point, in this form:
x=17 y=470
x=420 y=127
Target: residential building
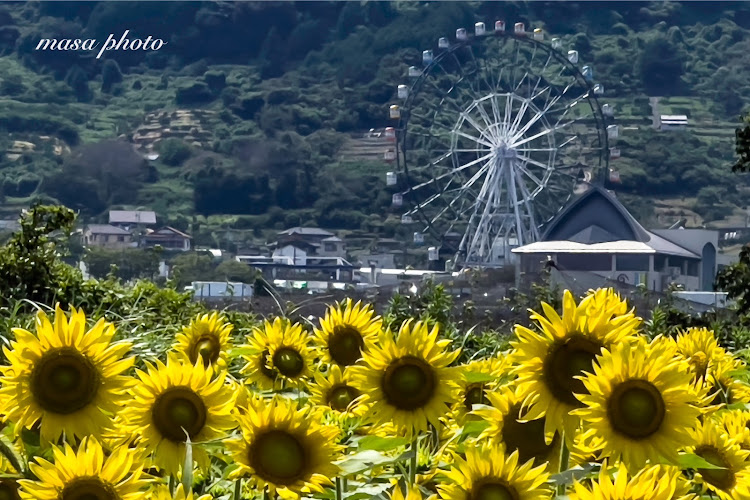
x=168 y=238
x=312 y=235
x=595 y=234
x=107 y=236
x=333 y=246
x=128 y=219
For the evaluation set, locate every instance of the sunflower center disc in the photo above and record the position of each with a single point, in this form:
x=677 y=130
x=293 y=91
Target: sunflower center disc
x=567 y=360
x=345 y=345
x=495 y=491
x=207 y=348
x=179 y=408
x=475 y=396
x=264 y=369
x=636 y=409
x=64 y=381
x=278 y=456
x=289 y=362
x=8 y=490
x=721 y=478
x=340 y=397
x=88 y=488
x=409 y=383
x=526 y=437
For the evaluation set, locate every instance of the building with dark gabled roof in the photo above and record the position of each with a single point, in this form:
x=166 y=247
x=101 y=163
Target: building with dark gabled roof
x=107 y=236
x=596 y=234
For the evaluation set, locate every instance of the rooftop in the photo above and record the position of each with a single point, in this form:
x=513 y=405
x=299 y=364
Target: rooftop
x=309 y=231
x=106 y=229
x=132 y=217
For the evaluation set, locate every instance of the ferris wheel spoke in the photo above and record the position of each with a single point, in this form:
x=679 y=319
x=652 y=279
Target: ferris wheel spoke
x=482 y=130
x=543 y=133
x=528 y=150
x=531 y=176
x=519 y=115
x=483 y=113
x=471 y=137
x=452 y=171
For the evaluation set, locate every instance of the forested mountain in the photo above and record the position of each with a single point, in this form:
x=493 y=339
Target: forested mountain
x=277 y=90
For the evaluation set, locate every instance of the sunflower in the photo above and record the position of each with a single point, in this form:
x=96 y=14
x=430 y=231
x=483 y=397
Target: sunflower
x=406 y=380
x=176 y=400
x=475 y=380
x=508 y=427
x=162 y=493
x=67 y=377
x=736 y=424
x=256 y=355
x=412 y=493
x=335 y=390
x=723 y=386
x=488 y=474
x=639 y=405
x=283 y=449
x=732 y=480
x=207 y=337
x=288 y=351
x=86 y=474
x=345 y=332
x=549 y=363
x=654 y=483
x=700 y=347
x=607 y=299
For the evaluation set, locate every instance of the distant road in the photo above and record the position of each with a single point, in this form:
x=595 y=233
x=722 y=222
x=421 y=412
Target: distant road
x=654 y=103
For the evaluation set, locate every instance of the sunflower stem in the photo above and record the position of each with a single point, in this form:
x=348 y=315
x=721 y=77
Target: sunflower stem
x=564 y=459
x=172 y=484
x=339 y=489
x=413 y=464
x=237 y=489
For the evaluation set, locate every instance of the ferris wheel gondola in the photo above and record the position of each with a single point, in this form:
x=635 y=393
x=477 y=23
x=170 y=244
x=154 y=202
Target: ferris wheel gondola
x=491 y=135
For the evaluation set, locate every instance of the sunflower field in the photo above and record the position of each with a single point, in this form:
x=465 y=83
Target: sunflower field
x=585 y=404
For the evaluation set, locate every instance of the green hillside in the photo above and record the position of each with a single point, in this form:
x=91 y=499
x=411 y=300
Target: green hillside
x=258 y=110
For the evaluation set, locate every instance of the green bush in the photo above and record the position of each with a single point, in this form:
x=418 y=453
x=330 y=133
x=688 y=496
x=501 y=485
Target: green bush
x=174 y=151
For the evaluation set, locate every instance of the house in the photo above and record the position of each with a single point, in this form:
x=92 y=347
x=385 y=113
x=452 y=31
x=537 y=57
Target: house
x=596 y=235
x=307 y=234
x=107 y=236
x=168 y=238
x=673 y=122
x=294 y=253
x=127 y=219
x=333 y=246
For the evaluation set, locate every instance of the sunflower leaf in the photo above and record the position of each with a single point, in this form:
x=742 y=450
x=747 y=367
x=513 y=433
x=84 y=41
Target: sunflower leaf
x=475 y=427
x=367 y=491
x=379 y=443
x=570 y=475
x=362 y=461
x=478 y=377
x=693 y=461
x=187 y=466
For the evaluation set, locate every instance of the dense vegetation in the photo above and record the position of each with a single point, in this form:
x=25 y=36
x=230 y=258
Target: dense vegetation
x=288 y=82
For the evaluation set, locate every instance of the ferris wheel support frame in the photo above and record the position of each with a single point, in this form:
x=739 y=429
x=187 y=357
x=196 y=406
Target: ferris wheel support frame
x=505 y=165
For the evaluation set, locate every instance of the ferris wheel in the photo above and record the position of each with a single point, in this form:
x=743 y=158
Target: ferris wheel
x=496 y=131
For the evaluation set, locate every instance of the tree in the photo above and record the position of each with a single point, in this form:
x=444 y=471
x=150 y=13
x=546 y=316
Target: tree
x=735 y=279
x=742 y=145
x=111 y=74
x=661 y=65
x=231 y=270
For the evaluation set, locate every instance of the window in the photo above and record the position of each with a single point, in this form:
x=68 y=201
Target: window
x=329 y=247
x=631 y=262
x=121 y=238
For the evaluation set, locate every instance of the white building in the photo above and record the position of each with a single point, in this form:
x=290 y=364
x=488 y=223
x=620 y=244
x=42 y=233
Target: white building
x=595 y=234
